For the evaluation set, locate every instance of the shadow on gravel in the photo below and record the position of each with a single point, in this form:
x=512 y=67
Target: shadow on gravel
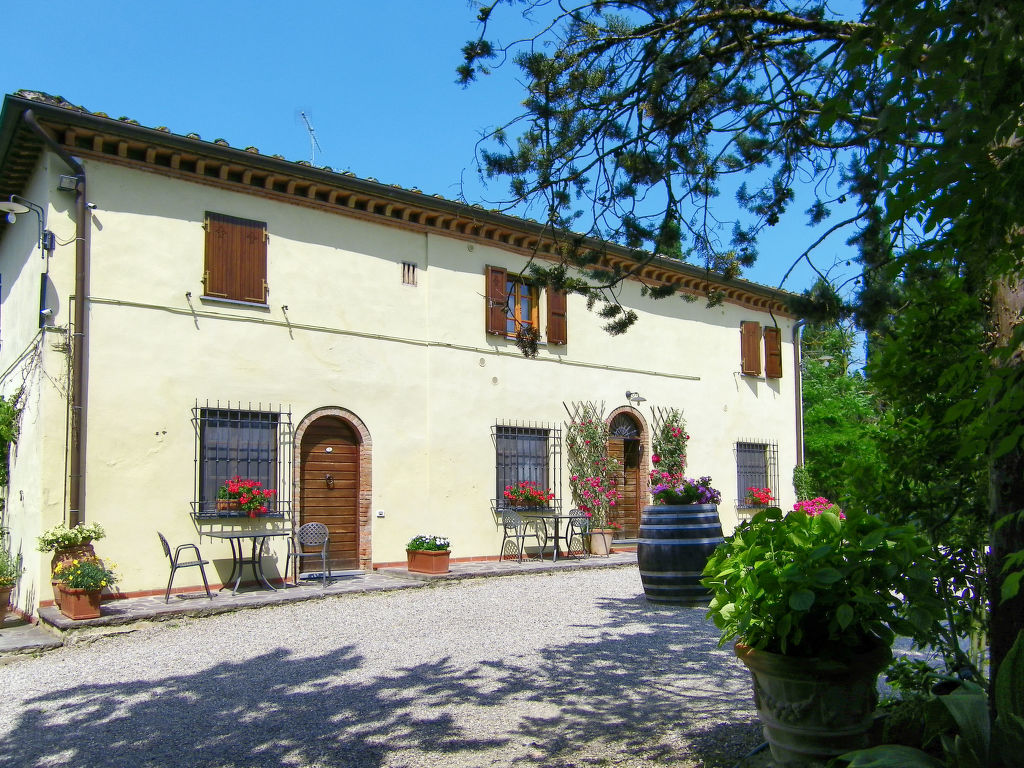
x=645 y=682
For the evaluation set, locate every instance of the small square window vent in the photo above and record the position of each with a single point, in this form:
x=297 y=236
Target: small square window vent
x=408 y=273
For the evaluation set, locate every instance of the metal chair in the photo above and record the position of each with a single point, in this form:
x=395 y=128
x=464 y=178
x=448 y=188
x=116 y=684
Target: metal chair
x=578 y=527
x=309 y=535
x=517 y=528
x=177 y=563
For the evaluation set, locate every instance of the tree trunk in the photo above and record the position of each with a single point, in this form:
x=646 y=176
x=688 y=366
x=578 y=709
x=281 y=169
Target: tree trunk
x=1006 y=490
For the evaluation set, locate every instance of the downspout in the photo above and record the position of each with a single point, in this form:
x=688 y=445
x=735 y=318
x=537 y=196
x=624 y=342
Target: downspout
x=79 y=347
x=798 y=331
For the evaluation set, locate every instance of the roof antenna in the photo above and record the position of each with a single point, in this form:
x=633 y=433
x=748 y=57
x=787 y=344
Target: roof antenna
x=314 y=145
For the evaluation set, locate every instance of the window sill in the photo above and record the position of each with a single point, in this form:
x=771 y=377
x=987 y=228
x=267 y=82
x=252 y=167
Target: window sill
x=234 y=302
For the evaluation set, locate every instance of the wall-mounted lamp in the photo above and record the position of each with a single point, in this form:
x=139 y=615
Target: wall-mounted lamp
x=635 y=398
x=16 y=205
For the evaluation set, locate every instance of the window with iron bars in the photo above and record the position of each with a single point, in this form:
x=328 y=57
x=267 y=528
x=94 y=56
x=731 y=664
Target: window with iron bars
x=528 y=452
x=757 y=466
x=253 y=443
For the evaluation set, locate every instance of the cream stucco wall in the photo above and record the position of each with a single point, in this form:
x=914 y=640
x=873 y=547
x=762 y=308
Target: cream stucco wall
x=35 y=361
x=413 y=363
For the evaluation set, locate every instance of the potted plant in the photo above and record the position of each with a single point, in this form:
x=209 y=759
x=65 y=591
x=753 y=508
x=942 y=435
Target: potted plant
x=759 y=497
x=814 y=602
x=68 y=544
x=81 y=581
x=248 y=496
x=527 y=494
x=10 y=571
x=678 y=533
x=428 y=554
x=601 y=536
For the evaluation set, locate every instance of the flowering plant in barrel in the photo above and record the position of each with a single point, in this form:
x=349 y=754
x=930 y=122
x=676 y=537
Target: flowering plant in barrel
x=685 y=490
x=816 y=600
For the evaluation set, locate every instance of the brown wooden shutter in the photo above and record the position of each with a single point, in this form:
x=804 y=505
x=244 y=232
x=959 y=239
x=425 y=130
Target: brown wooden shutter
x=772 y=352
x=497 y=320
x=557 y=323
x=750 y=347
x=236 y=258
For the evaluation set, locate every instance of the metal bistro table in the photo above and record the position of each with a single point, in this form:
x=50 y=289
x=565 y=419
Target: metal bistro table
x=239 y=561
x=556 y=518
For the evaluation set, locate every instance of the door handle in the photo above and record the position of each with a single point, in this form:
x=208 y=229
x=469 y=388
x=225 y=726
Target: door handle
x=330 y=481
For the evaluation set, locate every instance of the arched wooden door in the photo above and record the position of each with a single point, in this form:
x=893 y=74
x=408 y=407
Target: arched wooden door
x=625 y=446
x=329 y=488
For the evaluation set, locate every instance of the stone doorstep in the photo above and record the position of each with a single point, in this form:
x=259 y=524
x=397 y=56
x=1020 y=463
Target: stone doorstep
x=119 y=616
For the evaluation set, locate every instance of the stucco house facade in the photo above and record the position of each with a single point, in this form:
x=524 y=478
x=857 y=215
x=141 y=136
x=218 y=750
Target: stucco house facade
x=201 y=311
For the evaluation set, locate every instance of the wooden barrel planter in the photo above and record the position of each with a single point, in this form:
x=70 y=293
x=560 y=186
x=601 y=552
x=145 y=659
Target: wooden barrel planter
x=674 y=545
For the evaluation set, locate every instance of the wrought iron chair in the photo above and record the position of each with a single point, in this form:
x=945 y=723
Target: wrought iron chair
x=517 y=528
x=309 y=535
x=177 y=562
x=577 y=528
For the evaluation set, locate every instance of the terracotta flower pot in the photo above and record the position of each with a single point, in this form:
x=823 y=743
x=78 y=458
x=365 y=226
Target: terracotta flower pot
x=427 y=561
x=5 y=599
x=80 y=604
x=601 y=541
x=66 y=555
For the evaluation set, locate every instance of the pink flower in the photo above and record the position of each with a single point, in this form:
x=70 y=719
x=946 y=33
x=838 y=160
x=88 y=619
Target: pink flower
x=655 y=458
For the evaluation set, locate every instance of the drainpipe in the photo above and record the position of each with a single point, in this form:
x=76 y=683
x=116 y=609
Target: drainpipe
x=79 y=347
x=798 y=331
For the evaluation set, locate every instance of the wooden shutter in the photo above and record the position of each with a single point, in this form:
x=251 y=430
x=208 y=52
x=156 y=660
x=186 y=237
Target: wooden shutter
x=236 y=258
x=557 y=324
x=750 y=348
x=772 y=352
x=496 y=299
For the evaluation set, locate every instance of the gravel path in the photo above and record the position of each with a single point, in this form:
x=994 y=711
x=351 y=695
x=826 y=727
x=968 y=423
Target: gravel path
x=562 y=669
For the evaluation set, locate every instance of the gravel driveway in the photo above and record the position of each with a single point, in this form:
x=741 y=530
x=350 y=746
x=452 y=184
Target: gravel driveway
x=560 y=669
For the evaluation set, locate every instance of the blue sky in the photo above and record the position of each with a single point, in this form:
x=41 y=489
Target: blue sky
x=377 y=80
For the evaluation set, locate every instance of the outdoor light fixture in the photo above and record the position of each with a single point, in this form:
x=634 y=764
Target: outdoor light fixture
x=16 y=205
x=635 y=398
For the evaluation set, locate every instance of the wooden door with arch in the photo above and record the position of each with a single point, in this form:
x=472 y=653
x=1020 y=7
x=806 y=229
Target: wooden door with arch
x=625 y=445
x=329 y=489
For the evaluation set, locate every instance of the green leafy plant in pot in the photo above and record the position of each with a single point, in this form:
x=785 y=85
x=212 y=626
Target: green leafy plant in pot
x=10 y=572
x=428 y=554
x=815 y=602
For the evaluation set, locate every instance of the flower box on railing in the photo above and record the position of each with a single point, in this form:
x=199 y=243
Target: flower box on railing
x=215 y=510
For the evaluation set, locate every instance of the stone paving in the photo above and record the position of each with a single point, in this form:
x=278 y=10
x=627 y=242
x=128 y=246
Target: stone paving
x=54 y=629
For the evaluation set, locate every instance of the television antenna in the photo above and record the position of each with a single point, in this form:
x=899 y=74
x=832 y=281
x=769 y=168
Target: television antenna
x=314 y=145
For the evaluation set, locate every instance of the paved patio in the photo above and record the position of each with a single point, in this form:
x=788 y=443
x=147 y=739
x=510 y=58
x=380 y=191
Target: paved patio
x=54 y=629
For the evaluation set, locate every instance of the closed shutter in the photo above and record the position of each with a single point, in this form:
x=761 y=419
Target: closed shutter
x=750 y=348
x=236 y=258
x=496 y=300
x=772 y=353
x=557 y=324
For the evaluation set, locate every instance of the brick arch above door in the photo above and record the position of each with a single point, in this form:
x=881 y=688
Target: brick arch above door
x=365 y=493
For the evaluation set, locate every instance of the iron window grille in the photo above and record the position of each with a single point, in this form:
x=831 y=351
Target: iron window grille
x=757 y=466
x=527 y=452
x=254 y=443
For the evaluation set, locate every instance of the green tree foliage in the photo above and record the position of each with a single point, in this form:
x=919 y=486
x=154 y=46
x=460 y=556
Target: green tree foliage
x=10 y=418
x=924 y=361
x=840 y=415
x=639 y=114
